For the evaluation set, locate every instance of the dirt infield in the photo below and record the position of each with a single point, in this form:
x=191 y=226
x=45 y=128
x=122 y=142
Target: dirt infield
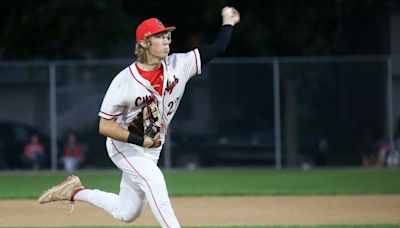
x=191 y=211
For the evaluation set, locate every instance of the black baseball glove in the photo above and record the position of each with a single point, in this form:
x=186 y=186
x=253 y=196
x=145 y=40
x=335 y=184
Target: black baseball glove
x=147 y=124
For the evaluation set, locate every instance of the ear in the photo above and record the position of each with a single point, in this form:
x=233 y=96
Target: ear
x=144 y=44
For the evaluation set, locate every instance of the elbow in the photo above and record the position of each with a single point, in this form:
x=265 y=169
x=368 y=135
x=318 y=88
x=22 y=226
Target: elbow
x=218 y=49
x=101 y=130
x=103 y=127
x=222 y=49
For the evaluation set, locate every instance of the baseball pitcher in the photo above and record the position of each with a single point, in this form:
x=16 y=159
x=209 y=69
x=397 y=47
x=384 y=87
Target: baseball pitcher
x=134 y=116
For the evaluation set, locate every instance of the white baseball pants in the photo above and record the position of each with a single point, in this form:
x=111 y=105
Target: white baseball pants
x=142 y=181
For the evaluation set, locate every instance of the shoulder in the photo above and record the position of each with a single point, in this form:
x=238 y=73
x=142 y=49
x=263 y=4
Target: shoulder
x=176 y=58
x=122 y=77
x=124 y=74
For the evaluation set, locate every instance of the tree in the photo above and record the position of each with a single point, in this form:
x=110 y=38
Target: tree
x=45 y=29
x=61 y=29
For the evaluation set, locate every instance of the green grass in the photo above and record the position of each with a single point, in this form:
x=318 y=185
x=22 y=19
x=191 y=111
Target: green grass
x=288 y=182
x=223 y=182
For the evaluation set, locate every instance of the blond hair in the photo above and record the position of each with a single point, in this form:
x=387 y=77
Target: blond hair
x=140 y=51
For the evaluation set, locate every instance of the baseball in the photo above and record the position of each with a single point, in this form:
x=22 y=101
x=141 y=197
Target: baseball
x=229 y=12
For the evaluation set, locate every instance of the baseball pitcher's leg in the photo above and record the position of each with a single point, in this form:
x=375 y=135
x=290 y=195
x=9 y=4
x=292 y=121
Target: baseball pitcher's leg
x=157 y=195
x=126 y=207
x=150 y=179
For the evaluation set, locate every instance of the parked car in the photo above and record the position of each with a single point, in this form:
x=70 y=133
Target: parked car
x=232 y=149
x=14 y=136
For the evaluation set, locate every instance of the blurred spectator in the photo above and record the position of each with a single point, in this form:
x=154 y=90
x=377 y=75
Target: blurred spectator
x=388 y=156
x=72 y=153
x=33 y=153
x=393 y=158
x=3 y=164
x=322 y=152
x=383 y=149
x=368 y=153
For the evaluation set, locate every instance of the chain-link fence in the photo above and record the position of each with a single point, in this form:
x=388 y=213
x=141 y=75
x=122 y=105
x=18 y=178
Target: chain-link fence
x=246 y=111
x=335 y=109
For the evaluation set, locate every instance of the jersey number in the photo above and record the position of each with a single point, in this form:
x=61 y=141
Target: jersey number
x=172 y=106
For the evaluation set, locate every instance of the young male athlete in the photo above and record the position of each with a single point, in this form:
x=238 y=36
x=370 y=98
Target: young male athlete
x=150 y=89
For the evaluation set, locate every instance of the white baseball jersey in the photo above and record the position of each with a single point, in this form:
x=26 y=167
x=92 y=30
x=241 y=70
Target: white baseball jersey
x=129 y=91
x=142 y=181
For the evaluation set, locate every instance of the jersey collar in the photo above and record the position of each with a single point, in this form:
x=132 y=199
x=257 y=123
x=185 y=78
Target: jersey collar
x=143 y=81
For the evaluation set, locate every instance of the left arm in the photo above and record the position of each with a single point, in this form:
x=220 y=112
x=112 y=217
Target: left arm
x=230 y=16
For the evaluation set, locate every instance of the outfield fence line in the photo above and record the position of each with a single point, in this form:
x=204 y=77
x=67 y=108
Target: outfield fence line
x=50 y=82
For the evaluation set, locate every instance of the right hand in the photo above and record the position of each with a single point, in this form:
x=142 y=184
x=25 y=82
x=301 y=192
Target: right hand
x=230 y=16
x=149 y=142
x=151 y=125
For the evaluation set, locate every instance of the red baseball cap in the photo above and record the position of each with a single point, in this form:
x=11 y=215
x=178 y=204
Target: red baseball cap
x=150 y=27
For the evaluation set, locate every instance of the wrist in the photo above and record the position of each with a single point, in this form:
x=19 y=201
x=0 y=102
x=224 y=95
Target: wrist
x=229 y=23
x=135 y=139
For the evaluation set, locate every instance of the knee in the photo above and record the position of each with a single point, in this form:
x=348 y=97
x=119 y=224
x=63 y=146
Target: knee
x=125 y=217
x=130 y=214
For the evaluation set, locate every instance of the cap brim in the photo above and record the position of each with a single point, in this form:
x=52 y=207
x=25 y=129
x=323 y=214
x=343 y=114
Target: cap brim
x=167 y=29
x=170 y=29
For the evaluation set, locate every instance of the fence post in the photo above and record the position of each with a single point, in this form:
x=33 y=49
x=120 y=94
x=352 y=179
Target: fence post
x=277 y=114
x=390 y=121
x=53 y=116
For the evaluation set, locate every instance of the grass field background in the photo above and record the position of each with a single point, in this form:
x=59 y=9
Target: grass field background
x=24 y=185
x=224 y=182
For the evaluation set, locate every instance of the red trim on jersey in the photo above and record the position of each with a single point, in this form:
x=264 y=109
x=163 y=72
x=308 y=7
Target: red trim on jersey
x=155 y=77
x=147 y=183
x=110 y=114
x=133 y=75
x=195 y=56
